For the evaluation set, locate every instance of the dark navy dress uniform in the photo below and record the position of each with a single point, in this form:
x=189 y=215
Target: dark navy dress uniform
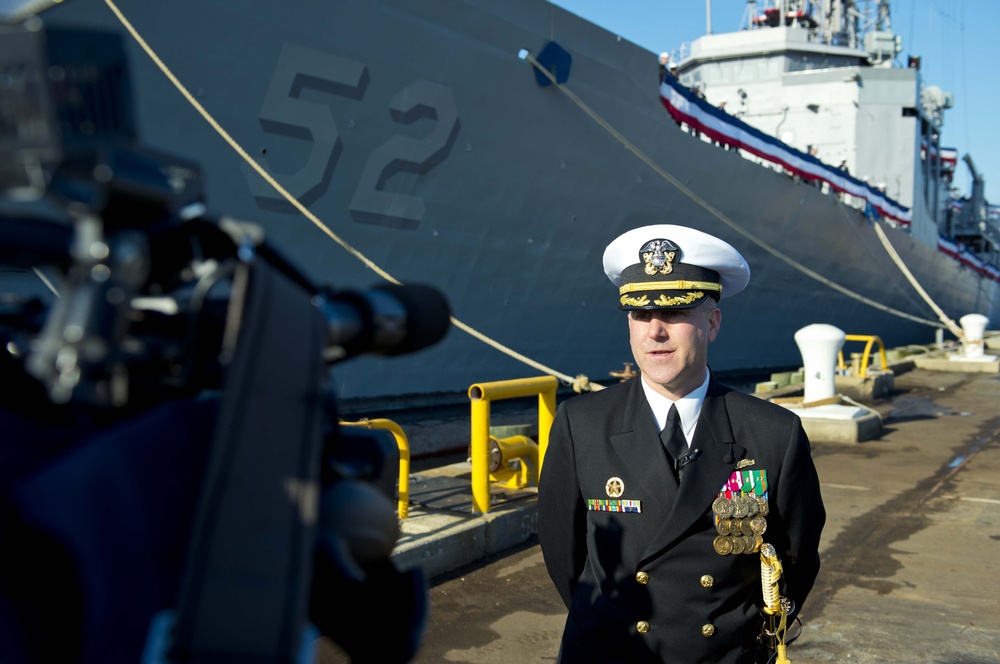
x=633 y=550
x=648 y=586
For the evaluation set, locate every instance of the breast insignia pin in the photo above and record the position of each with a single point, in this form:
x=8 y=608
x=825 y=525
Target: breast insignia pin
x=744 y=463
x=615 y=487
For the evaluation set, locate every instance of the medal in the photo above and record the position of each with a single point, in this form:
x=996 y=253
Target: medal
x=740 y=509
x=722 y=507
x=723 y=545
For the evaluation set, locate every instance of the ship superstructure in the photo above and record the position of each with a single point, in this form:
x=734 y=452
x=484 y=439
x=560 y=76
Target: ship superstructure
x=825 y=78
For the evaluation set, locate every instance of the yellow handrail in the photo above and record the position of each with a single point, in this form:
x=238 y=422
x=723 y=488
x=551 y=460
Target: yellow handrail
x=404 y=457
x=480 y=396
x=871 y=339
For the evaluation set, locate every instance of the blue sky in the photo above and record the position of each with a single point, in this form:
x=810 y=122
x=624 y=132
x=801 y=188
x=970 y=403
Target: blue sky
x=958 y=42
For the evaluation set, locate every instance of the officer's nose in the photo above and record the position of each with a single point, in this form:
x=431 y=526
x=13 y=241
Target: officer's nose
x=658 y=328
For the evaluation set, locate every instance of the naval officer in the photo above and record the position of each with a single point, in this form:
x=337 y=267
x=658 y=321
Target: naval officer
x=657 y=494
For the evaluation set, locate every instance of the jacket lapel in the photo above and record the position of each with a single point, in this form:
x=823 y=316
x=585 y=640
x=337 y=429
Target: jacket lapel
x=703 y=477
x=639 y=450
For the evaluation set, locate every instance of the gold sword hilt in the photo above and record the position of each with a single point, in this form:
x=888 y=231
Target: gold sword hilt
x=774 y=609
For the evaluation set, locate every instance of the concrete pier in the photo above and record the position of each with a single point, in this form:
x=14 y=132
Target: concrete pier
x=909 y=552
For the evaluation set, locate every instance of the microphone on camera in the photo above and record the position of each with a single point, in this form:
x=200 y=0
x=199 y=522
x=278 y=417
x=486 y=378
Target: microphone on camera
x=389 y=319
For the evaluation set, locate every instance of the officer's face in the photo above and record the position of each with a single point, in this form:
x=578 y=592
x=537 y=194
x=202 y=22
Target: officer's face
x=671 y=346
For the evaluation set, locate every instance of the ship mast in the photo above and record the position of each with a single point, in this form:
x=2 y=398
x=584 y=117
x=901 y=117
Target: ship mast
x=856 y=24
x=861 y=24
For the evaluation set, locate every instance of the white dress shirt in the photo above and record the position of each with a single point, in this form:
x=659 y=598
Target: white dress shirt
x=688 y=407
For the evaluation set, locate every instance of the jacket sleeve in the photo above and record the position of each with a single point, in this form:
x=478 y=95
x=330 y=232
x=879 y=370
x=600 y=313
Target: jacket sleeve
x=562 y=516
x=803 y=515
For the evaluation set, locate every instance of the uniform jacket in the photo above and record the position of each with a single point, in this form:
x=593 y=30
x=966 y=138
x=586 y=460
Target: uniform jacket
x=658 y=565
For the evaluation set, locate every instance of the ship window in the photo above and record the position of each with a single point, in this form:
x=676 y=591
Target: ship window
x=811 y=62
x=758 y=69
x=748 y=70
x=693 y=79
x=910 y=112
x=720 y=72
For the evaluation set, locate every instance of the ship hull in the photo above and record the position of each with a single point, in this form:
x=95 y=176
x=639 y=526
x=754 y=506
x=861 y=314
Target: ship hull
x=417 y=135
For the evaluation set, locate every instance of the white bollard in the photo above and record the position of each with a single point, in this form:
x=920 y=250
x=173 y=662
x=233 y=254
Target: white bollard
x=819 y=344
x=974 y=326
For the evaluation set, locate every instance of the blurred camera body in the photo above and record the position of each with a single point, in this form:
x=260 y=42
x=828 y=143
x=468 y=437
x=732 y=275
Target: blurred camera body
x=175 y=483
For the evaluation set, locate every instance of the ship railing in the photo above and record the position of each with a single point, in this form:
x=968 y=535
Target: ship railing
x=481 y=395
x=403 y=443
x=861 y=360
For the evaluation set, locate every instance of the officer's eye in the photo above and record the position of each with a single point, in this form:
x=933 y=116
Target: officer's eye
x=641 y=316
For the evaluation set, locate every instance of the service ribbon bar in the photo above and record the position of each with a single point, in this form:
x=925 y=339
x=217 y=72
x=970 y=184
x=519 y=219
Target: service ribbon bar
x=746 y=481
x=605 y=505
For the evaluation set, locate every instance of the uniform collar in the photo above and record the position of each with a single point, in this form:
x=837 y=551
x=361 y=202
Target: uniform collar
x=688 y=406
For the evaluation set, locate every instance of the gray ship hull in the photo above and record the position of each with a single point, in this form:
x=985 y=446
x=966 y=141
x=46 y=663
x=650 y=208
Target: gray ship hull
x=414 y=131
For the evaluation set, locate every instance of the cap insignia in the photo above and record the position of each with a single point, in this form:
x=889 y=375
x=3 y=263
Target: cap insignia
x=658 y=256
x=664 y=301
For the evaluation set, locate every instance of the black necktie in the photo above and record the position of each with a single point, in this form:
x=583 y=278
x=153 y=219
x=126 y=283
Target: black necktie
x=673 y=439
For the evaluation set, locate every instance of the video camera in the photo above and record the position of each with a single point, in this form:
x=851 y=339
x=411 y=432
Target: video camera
x=174 y=486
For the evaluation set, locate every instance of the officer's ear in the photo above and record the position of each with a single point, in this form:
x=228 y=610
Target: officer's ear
x=714 y=322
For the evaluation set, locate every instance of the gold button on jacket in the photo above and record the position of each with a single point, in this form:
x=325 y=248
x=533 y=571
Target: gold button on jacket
x=642 y=577
x=642 y=626
x=707 y=581
x=708 y=630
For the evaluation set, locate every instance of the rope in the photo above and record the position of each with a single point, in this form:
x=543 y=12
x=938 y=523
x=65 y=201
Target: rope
x=851 y=401
x=46 y=281
x=949 y=323
x=579 y=383
x=717 y=213
x=849 y=215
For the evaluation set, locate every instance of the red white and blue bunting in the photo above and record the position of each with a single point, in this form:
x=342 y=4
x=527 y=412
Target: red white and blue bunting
x=962 y=255
x=686 y=107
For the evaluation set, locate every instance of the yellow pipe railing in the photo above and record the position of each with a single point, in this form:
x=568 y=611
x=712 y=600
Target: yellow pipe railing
x=404 y=457
x=871 y=339
x=480 y=396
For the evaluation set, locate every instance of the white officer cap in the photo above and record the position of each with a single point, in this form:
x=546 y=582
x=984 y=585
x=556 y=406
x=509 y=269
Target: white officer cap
x=673 y=267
